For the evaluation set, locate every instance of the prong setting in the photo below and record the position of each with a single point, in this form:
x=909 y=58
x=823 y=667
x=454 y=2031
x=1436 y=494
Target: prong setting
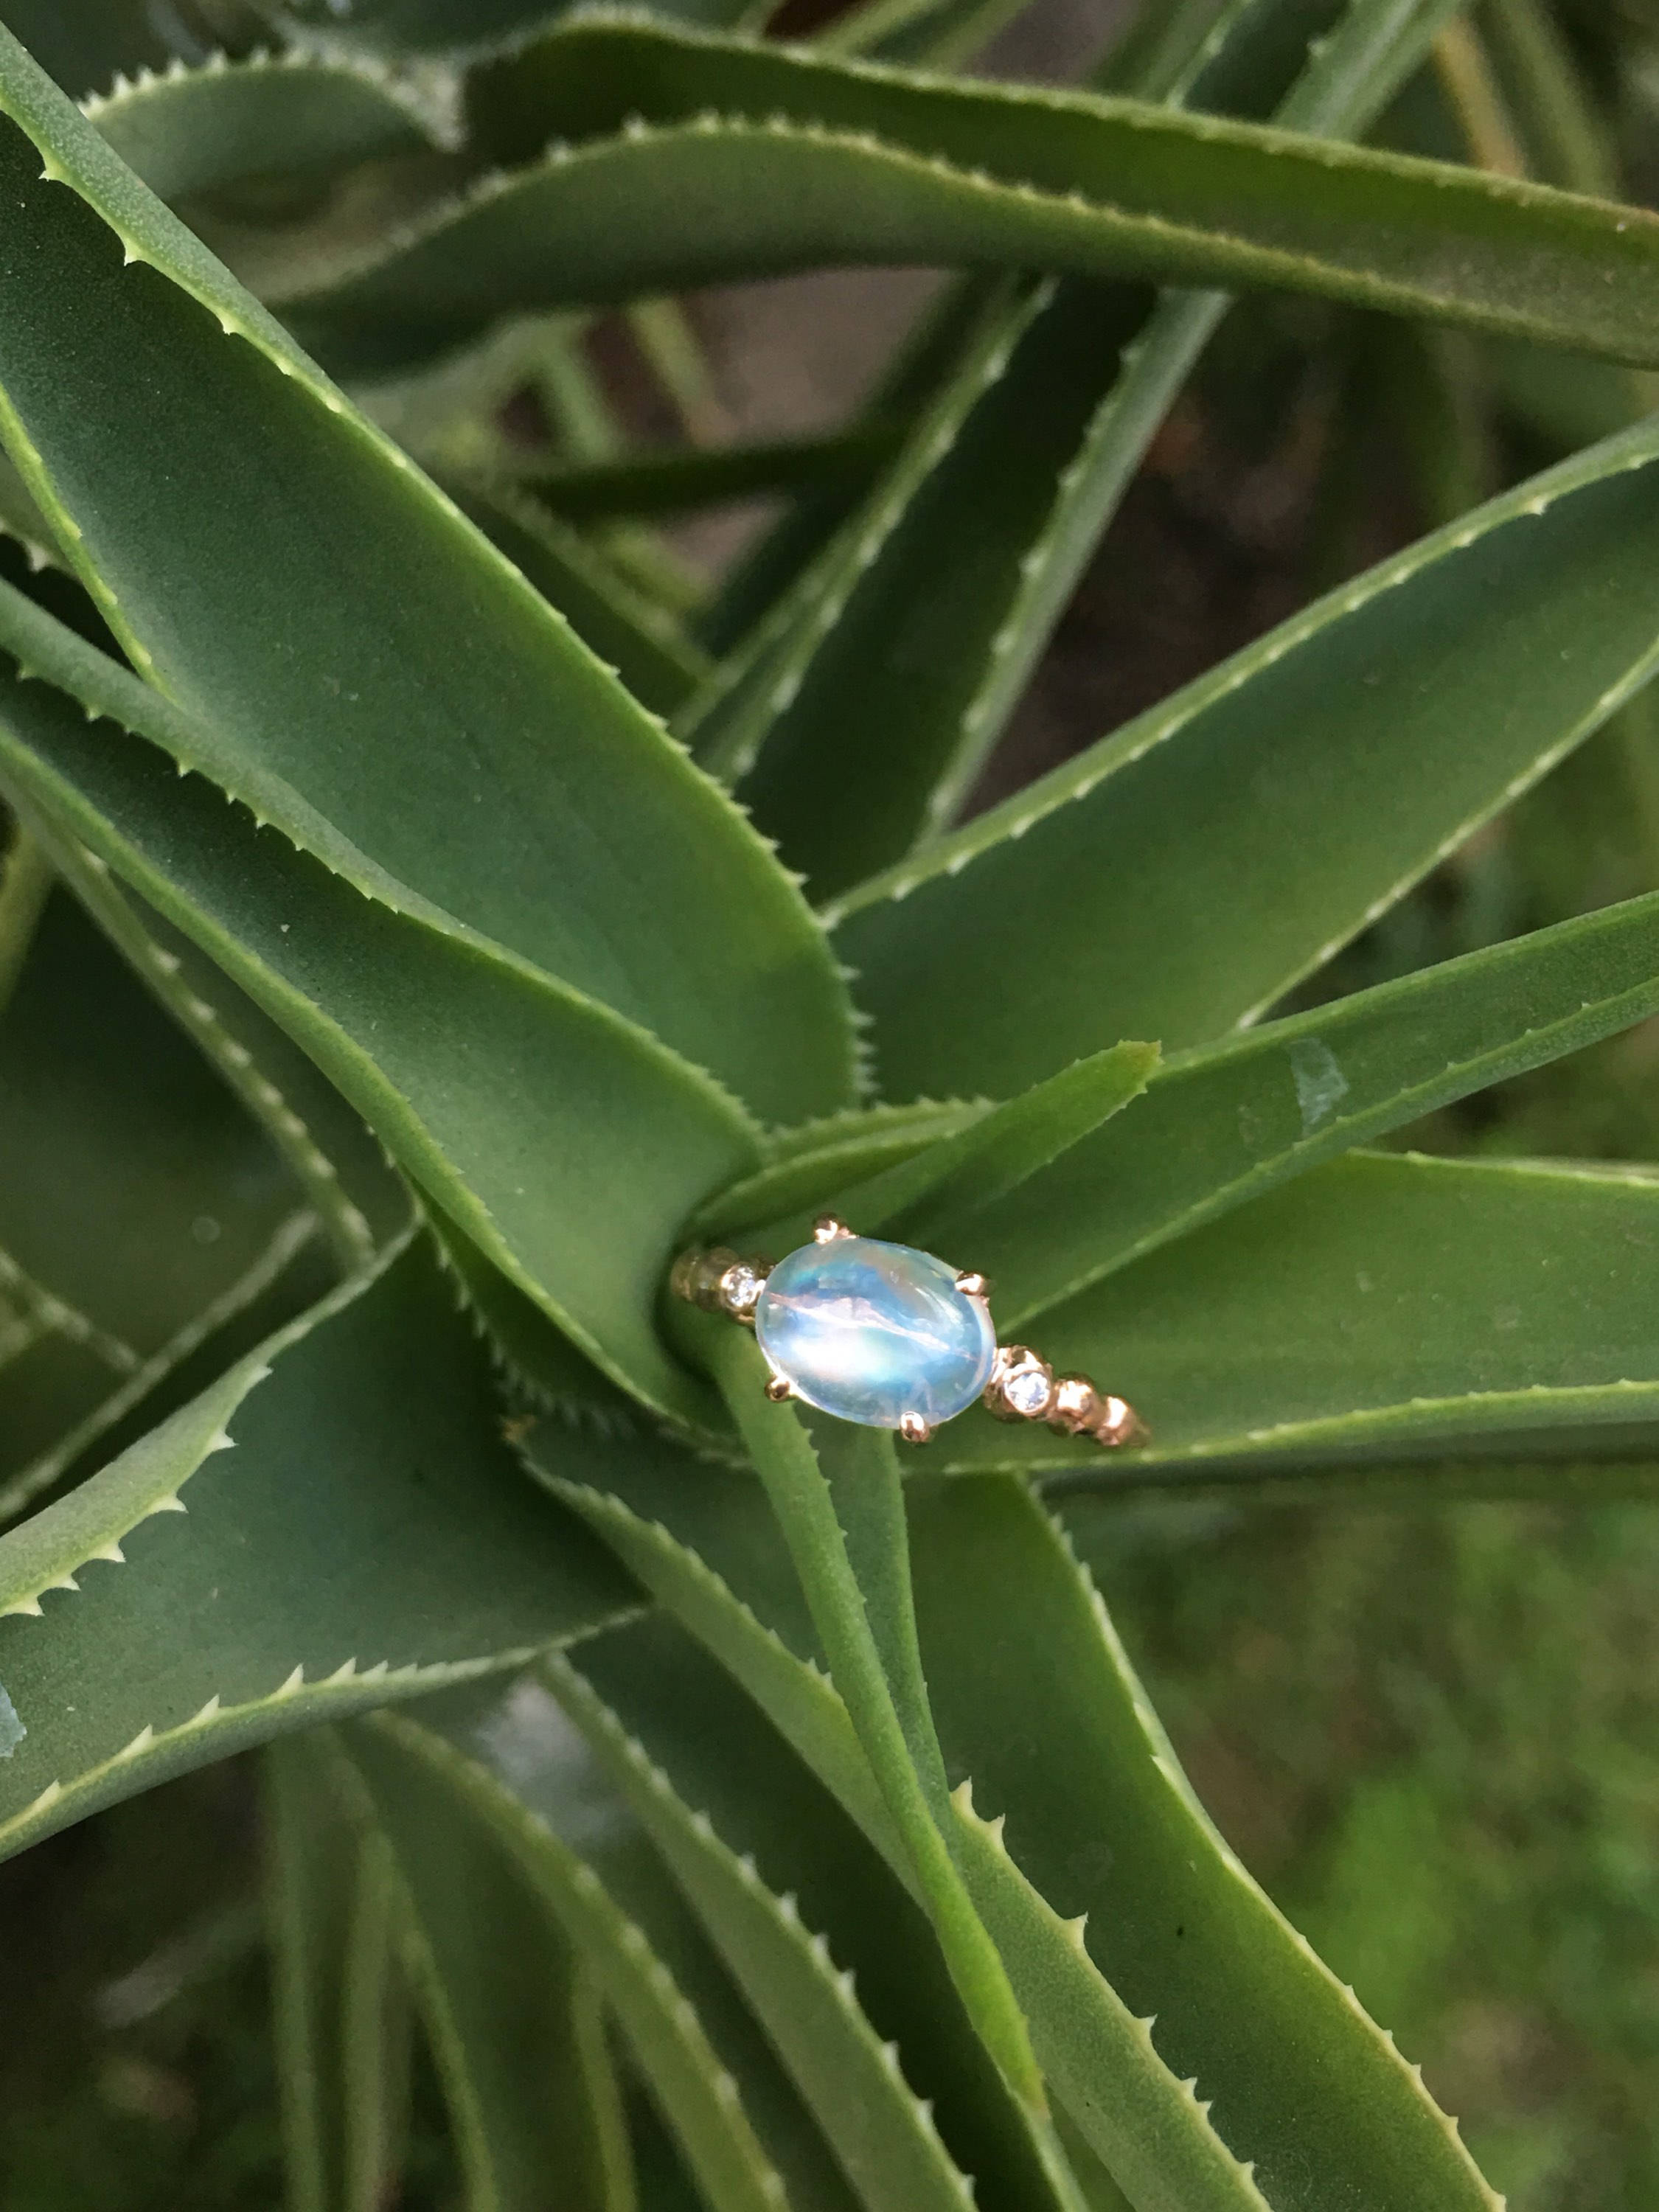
x=827 y=1229
x=972 y=1284
x=779 y=1389
x=914 y=1428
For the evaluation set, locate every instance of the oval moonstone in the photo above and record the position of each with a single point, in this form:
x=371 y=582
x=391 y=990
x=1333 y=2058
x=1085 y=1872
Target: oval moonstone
x=872 y=1332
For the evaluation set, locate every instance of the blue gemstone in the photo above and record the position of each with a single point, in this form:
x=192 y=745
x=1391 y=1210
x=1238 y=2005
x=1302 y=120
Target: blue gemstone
x=870 y=1332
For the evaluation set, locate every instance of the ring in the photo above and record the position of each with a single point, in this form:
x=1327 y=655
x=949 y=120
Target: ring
x=891 y=1338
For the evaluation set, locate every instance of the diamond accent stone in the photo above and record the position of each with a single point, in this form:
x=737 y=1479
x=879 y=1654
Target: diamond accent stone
x=1026 y=1390
x=740 y=1288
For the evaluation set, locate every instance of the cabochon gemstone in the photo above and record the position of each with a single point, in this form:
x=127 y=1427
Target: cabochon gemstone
x=870 y=1332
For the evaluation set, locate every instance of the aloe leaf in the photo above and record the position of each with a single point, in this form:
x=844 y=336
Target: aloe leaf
x=809 y=1165
x=340 y=2040
x=460 y=29
x=368 y=1538
x=194 y=131
x=539 y=1365
x=1037 y=1700
x=627 y=1696
x=86 y=45
x=532 y=2095
x=678 y=480
x=523 y=1771
x=68 y=1412
x=926 y=1175
x=133 y=1185
x=805 y=1504
x=544 y=793
x=1220 y=1124
x=25 y=881
x=449 y=1052
x=358 y=1196
x=927 y=1199
x=956 y=572
x=924 y=361
x=837 y=1964
x=1384 y=1309
x=709 y=1556
x=812 y=161
x=1307 y=783
x=641 y=641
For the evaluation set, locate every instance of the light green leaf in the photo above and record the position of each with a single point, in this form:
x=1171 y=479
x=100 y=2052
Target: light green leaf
x=512 y=2017
x=953 y=1162
x=713 y=1556
x=544 y=793
x=1305 y=783
x=1037 y=1701
x=367 y=1538
x=807 y=1165
x=800 y=162
x=888 y=1709
x=457 y=1057
x=830 y=1955
x=194 y=131
x=1220 y=1124
x=929 y=1198
x=1384 y=1309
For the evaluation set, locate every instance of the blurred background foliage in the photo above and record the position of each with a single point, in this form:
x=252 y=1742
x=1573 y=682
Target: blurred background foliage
x=1431 y=1729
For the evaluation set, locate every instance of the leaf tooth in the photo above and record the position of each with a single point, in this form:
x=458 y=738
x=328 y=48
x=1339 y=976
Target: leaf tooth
x=347 y=1672
x=173 y=1503
x=209 y=1712
x=62 y=1582
x=44 y=1801
x=1075 y=1931
x=22 y=1605
x=112 y=1552
x=294 y=1682
x=141 y=1742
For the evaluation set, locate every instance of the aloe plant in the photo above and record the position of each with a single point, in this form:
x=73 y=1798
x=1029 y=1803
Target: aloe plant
x=419 y=926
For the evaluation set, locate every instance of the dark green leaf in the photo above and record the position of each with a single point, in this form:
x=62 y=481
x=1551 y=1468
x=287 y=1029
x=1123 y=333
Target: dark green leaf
x=459 y=1058
x=1037 y=1702
x=1220 y=1124
x=194 y=131
x=1304 y=785
x=1382 y=1309
x=156 y=410
x=641 y=641
x=369 y=1537
x=829 y=1952
x=799 y=161
x=512 y=2015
